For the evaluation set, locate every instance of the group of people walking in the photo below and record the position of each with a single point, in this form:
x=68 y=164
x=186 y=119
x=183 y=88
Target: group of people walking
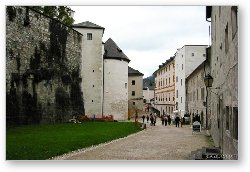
x=165 y=120
x=151 y=117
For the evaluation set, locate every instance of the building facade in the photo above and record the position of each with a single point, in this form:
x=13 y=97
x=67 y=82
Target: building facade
x=224 y=71
x=196 y=94
x=135 y=96
x=165 y=87
x=187 y=59
x=115 y=81
x=92 y=66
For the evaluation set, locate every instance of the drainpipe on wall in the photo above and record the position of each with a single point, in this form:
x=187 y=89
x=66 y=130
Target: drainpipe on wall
x=102 y=86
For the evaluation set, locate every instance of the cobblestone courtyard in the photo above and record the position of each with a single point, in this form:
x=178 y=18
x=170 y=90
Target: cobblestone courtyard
x=154 y=143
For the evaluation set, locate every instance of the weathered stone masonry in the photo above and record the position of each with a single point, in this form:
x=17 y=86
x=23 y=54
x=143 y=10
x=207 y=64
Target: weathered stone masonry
x=43 y=68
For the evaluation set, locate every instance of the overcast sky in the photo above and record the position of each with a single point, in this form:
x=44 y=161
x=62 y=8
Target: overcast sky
x=148 y=35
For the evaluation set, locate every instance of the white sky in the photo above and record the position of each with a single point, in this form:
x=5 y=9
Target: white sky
x=148 y=35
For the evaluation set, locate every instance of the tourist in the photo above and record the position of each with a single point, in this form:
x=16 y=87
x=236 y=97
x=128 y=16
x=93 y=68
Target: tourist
x=165 y=120
x=154 y=118
x=143 y=117
x=151 y=119
x=177 y=121
x=147 y=118
x=136 y=117
x=169 y=120
x=162 y=120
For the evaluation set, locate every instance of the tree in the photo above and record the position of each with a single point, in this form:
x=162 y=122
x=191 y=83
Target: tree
x=61 y=13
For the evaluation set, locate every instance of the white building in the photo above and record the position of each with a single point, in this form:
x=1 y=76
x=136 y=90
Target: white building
x=148 y=90
x=92 y=66
x=187 y=59
x=115 y=81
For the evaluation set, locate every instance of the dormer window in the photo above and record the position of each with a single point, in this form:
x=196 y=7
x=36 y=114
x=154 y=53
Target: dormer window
x=119 y=50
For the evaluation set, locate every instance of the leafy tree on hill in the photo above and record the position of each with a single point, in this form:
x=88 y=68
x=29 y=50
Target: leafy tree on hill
x=61 y=13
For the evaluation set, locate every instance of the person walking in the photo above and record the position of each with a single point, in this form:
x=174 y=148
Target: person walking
x=154 y=119
x=147 y=118
x=143 y=117
x=165 y=120
x=136 y=117
x=169 y=120
x=151 y=119
x=162 y=120
x=177 y=121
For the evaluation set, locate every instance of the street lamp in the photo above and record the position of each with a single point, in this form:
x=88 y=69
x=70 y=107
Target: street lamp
x=208 y=80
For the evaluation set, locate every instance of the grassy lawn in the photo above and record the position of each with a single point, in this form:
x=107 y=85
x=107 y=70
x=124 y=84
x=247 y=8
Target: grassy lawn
x=39 y=142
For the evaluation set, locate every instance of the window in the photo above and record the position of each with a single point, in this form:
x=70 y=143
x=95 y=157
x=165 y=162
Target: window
x=133 y=93
x=192 y=54
x=176 y=78
x=181 y=82
x=176 y=93
x=234 y=20
x=202 y=93
x=133 y=103
x=92 y=100
x=235 y=123
x=126 y=85
x=166 y=81
x=89 y=36
x=93 y=70
x=227 y=117
x=169 y=80
x=173 y=98
x=173 y=79
x=182 y=66
x=93 y=85
x=226 y=39
x=230 y=119
x=181 y=99
x=133 y=82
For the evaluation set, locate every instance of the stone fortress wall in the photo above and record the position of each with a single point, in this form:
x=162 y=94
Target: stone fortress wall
x=43 y=68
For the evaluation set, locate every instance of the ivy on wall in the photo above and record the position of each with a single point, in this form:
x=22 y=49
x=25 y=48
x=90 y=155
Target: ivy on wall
x=47 y=64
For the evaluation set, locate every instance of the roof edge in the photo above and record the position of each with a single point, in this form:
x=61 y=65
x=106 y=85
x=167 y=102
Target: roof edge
x=117 y=58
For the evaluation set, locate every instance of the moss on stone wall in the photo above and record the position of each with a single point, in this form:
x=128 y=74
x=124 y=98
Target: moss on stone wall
x=43 y=69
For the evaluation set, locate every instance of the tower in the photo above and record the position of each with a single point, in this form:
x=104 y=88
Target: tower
x=92 y=66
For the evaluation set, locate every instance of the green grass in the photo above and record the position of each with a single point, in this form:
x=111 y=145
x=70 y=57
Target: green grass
x=39 y=142
x=210 y=141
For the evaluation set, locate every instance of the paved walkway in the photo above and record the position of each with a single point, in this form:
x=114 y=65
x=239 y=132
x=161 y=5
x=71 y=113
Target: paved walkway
x=154 y=143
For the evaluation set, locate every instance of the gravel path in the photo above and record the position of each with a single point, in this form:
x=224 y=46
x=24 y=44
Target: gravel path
x=154 y=143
